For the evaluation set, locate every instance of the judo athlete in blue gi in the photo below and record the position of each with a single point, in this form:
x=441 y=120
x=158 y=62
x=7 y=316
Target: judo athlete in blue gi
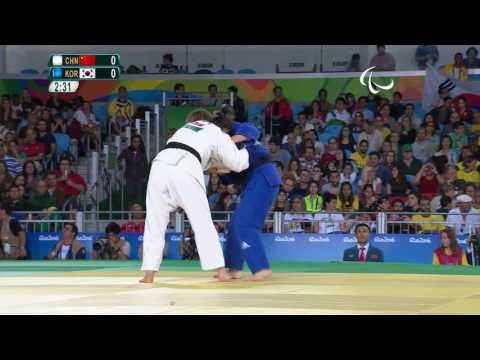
x=259 y=186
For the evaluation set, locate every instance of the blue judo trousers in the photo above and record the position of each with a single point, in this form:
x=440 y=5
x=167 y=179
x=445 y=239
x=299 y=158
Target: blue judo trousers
x=259 y=188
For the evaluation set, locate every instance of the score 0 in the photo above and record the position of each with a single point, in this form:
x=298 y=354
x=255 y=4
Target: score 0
x=108 y=60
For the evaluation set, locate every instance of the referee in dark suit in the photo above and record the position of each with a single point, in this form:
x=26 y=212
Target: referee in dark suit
x=363 y=251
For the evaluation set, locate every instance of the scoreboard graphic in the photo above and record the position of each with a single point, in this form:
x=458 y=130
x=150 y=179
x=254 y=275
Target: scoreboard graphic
x=66 y=71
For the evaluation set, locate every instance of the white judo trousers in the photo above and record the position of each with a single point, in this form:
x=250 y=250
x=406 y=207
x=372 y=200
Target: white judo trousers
x=176 y=181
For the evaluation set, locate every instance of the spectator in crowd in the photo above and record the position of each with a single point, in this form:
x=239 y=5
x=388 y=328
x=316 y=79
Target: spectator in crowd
x=89 y=124
x=382 y=60
x=74 y=130
x=316 y=116
x=135 y=169
x=281 y=204
x=378 y=124
x=381 y=171
x=369 y=178
x=428 y=181
x=442 y=112
x=464 y=219
x=346 y=200
x=450 y=175
x=463 y=110
x=346 y=140
x=329 y=221
x=212 y=99
x=297 y=221
x=14 y=167
x=457 y=70
x=329 y=156
x=46 y=138
x=348 y=173
x=446 y=190
x=472 y=61
x=303 y=122
x=469 y=172
x=446 y=205
x=53 y=190
x=289 y=186
x=458 y=136
x=41 y=199
x=30 y=176
x=34 y=150
x=309 y=159
x=425 y=221
x=354 y=65
x=68 y=247
x=15 y=199
x=112 y=247
x=167 y=66
x=120 y=111
x=360 y=157
x=362 y=107
x=408 y=133
x=422 y=148
x=452 y=120
x=294 y=169
x=409 y=111
x=397 y=184
x=181 y=98
x=426 y=54
x=325 y=106
x=292 y=145
x=238 y=104
x=277 y=153
x=70 y=182
x=303 y=185
x=449 y=252
x=397 y=109
x=5 y=180
x=137 y=222
x=476 y=123
x=313 y=201
x=333 y=185
x=408 y=165
x=340 y=112
x=445 y=150
x=367 y=198
x=363 y=251
x=188 y=247
x=29 y=125
x=278 y=114
x=373 y=136
x=358 y=123
x=13 y=241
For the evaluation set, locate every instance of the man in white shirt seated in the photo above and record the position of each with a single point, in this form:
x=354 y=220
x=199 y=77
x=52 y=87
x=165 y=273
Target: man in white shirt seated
x=340 y=112
x=297 y=221
x=68 y=248
x=464 y=219
x=329 y=221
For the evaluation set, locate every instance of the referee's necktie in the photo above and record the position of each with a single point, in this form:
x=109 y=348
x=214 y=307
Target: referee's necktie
x=361 y=258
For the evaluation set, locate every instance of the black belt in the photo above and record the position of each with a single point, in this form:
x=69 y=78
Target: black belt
x=259 y=162
x=177 y=145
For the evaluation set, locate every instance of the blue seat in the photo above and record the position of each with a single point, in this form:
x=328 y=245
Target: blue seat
x=356 y=136
x=63 y=143
x=203 y=71
x=297 y=108
x=323 y=138
x=101 y=112
x=29 y=72
x=247 y=71
x=333 y=129
x=255 y=109
x=225 y=71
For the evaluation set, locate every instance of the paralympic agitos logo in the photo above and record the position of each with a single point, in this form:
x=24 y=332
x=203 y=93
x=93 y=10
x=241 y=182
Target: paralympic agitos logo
x=372 y=86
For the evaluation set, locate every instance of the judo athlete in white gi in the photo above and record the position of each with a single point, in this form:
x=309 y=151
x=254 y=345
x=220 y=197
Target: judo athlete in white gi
x=176 y=180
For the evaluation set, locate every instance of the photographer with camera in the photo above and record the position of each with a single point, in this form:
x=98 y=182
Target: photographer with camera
x=188 y=247
x=68 y=247
x=111 y=246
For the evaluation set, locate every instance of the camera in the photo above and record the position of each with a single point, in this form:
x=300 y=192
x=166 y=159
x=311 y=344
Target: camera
x=99 y=244
x=474 y=243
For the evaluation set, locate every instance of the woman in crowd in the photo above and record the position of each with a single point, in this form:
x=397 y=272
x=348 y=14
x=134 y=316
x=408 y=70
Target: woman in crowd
x=5 y=180
x=356 y=126
x=394 y=139
x=348 y=174
x=313 y=201
x=30 y=176
x=15 y=152
x=447 y=190
x=346 y=140
x=368 y=200
x=294 y=169
x=89 y=124
x=389 y=160
x=445 y=149
x=449 y=252
x=463 y=110
x=397 y=184
x=369 y=178
x=281 y=204
x=318 y=118
x=408 y=134
x=346 y=201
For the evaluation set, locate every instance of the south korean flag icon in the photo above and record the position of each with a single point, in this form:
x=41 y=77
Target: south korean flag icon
x=87 y=73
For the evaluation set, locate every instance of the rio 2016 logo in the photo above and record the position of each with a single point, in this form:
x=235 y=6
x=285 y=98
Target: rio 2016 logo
x=372 y=89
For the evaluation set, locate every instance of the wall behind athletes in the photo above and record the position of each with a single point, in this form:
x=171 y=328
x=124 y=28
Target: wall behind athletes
x=261 y=58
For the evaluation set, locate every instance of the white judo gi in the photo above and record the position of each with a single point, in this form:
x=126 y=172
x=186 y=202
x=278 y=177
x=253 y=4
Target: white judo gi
x=176 y=180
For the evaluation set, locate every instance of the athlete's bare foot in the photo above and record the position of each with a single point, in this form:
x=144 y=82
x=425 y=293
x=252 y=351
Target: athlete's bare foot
x=148 y=277
x=262 y=275
x=223 y=275
x=236 y=274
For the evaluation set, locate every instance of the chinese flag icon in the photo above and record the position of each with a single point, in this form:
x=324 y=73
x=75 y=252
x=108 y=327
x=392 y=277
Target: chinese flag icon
x=87 y=60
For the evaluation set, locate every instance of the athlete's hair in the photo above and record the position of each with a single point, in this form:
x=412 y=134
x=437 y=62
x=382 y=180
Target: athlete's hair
x=199 y=114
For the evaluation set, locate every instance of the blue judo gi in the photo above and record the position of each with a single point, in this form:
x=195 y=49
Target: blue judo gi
x=259 y=186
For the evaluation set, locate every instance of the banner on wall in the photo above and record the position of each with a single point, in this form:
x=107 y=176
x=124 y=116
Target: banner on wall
x=402 y=248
